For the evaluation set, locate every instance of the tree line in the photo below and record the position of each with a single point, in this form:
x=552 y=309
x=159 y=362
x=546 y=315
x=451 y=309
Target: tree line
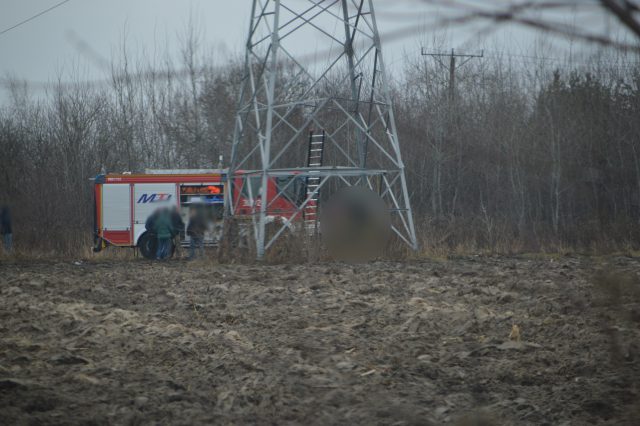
x=535 y=156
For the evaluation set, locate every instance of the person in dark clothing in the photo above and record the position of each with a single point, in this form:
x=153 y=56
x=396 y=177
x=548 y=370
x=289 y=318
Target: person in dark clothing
x=162 y=227
x=176 y=220
x=178 y=229
x=195 y=231
x=6 y=229
x=151 y=221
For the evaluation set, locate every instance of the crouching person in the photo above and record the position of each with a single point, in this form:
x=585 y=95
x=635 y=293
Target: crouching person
x=195 y=231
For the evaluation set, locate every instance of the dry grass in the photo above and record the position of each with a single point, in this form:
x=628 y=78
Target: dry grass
x=436 y=239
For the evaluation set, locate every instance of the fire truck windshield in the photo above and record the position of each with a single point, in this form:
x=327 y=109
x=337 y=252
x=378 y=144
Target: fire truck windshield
x=294 y=191
x=251 y=187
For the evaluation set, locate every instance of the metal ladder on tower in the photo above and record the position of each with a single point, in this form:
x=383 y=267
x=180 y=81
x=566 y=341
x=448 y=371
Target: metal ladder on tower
x=315 y=159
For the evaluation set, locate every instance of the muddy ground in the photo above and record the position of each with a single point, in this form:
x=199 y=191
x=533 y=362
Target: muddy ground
x=424 y=342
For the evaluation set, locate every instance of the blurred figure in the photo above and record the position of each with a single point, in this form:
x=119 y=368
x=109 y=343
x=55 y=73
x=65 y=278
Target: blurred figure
x=6 y=229
x=151 y=221
x=355 y=224
x=195 y=230
x=178 y=228
x=162 y=227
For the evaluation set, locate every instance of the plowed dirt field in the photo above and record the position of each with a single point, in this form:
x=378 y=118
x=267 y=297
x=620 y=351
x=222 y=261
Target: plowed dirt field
x=417 y=343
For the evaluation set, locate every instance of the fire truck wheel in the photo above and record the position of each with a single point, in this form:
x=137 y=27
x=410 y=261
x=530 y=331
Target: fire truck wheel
x=148 y=245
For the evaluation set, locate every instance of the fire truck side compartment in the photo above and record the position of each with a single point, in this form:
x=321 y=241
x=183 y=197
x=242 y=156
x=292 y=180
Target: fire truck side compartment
x=116 y=213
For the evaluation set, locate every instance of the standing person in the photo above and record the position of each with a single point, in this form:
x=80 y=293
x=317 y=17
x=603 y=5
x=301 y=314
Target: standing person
x=195 y=231
x=163 y=229
x=6 y=229
x=178 y=228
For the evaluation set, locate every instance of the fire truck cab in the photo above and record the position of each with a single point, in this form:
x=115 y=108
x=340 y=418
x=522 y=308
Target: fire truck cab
x=124 y=202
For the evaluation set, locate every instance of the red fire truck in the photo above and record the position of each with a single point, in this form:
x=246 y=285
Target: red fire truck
x=124 y=202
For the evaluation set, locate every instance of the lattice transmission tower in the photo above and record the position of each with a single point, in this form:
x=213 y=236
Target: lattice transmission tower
x=333 y=98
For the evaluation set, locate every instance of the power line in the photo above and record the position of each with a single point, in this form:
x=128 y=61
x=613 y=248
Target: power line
x=34 y=17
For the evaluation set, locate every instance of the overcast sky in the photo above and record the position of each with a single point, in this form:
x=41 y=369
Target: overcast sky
x=84 y=33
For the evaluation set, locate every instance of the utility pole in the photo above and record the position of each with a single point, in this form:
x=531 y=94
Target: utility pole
x=445 y=127
x=453 y=66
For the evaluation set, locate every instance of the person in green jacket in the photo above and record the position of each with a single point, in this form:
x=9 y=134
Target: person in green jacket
x=163 y=229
